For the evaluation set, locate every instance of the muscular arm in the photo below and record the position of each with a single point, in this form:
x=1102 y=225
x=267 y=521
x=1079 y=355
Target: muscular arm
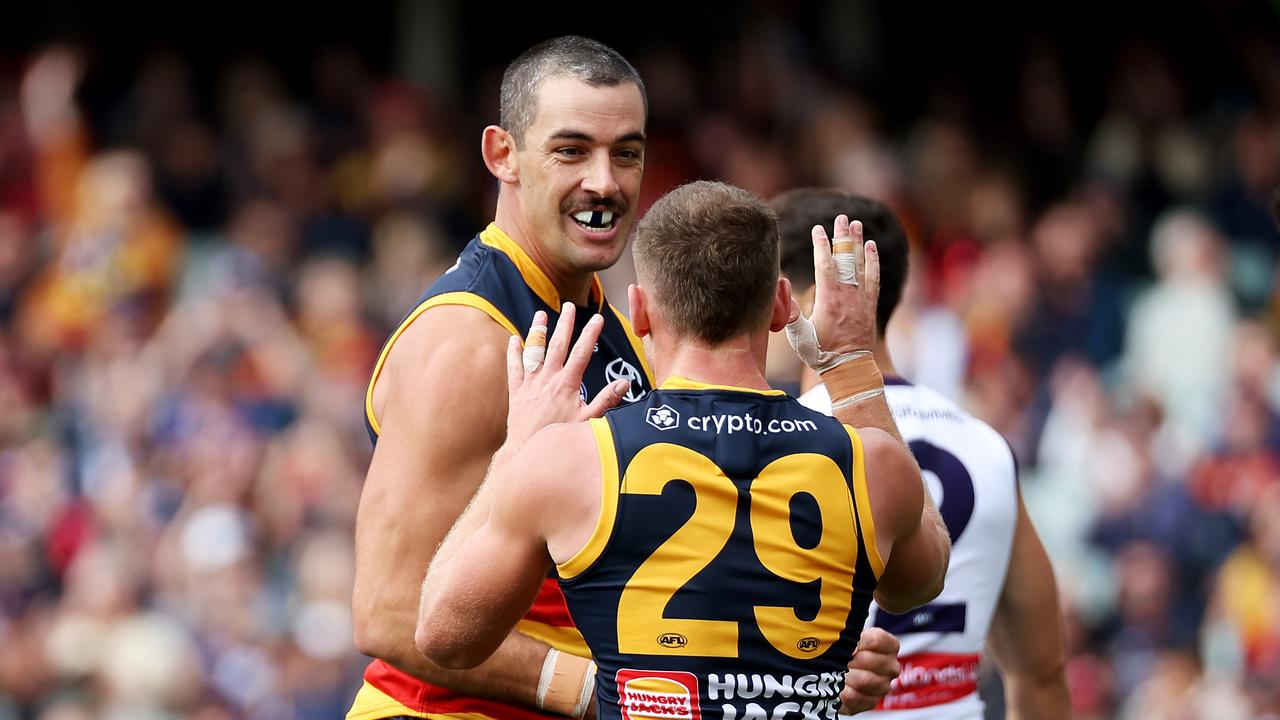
x=487 y=572
x=909 y=531
x=441 y=402
x=873 y=412
x=912 y=540
x=1026 y=632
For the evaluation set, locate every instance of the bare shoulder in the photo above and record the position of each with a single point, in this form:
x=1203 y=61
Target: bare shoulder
x=449 y=354
x=883 y=447
x=559 y=455
x=555 y=478
x=462 y=337
x=440 y=401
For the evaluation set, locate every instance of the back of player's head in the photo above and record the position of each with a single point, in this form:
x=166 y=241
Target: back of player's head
x=584 y=59
x=799 y=210
x=708 y=253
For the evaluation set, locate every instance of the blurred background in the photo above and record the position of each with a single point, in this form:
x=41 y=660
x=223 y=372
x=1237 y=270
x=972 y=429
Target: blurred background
x=212 y=215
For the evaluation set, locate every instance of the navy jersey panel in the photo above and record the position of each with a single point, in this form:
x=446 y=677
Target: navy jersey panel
x=740 y=434
x=489 y=273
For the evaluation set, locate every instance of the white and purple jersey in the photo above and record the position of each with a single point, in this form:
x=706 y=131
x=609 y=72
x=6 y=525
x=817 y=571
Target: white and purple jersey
x=972 y=476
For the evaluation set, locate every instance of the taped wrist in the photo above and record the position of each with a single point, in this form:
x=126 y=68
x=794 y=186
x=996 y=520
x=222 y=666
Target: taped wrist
x=567 y=684
x=854 y=378
x=804 y=339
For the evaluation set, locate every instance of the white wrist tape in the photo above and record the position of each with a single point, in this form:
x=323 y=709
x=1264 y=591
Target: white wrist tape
x=588 y=693
x=852 y=399
x=544 y=680
x=567 y=684
x=804 y=339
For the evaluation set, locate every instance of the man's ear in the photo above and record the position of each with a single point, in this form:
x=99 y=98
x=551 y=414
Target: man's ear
x=639 y=310
x=781 y=306
x=498 y=148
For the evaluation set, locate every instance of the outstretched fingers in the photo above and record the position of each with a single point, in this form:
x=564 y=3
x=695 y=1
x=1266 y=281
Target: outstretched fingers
x=523 y=360
x=871 y=272
x=607 y=398
x=845 y=247
x=558 y=347
x=823 y=265
x=576 y=364
x=535 y=344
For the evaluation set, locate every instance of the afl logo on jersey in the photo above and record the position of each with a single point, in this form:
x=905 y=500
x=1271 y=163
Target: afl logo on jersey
x=662 y=417
x=808 y=644
x=672 y=640
x=619 y=369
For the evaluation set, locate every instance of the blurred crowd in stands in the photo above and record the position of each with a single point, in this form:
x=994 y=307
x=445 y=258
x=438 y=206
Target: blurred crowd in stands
x=194 y=286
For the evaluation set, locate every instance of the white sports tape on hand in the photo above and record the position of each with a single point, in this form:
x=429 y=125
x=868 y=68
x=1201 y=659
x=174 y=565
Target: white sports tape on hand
x=846 y=260
x=804 y=339
x=535 y=348
x=803 y=336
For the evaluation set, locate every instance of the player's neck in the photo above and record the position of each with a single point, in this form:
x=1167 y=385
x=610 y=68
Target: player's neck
x=574 y=287
x=738 y=362
x=809 y=378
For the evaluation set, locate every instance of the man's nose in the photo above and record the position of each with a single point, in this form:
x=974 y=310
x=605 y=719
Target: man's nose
x=600 y=179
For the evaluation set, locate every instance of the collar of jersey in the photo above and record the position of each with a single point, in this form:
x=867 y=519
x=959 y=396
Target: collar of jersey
x=675 y=382
x=534 y=277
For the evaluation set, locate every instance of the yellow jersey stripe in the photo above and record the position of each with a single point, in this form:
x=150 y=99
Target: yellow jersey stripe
x=675 y=382
x=636 y=346
x=496 y=238
x=866 y=522
x=595 y=545
x=564 y=639
x=537 y=280
x=452 y=298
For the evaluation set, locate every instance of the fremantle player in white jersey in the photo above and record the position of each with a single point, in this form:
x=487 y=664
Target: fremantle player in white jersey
x=1000 y=593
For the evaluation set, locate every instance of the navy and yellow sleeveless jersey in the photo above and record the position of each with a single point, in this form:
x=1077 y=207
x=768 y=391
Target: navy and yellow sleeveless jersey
x=734 y=559
x=494 y=275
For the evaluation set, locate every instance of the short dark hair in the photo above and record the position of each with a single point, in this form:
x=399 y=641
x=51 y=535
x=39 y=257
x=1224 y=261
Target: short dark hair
x=592 y=62
x=709 y=252
x=799 y=210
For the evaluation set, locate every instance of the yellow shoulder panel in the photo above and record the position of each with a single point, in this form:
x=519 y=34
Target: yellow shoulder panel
x=583 y=559
x=866 y=523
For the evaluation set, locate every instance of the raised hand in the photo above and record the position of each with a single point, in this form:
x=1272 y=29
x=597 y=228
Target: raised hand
x=847 y=282
x=544 y=378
